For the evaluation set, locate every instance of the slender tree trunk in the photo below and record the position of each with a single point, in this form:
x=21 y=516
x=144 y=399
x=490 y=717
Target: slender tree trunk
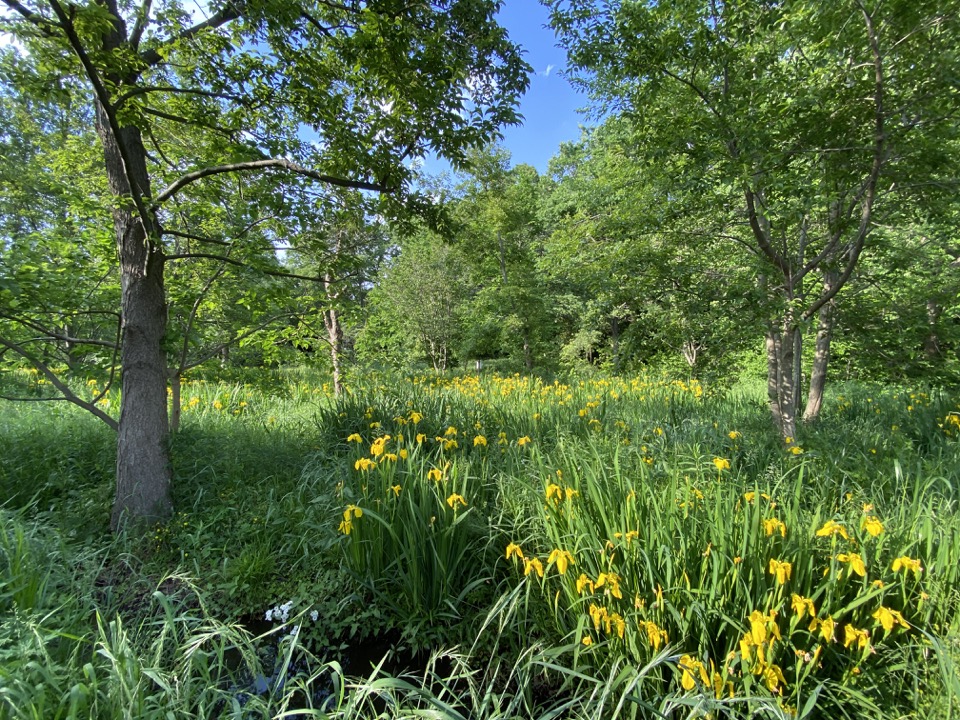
x=143 y=461
x=773 y=375
x=331 y=318
x=931 y=345
x=797 y=371
x=780 y=388
x=527 y=352
x=615 y=342
x=788 y=403
x=821 y=355
x=331 y=321
x=176 y=400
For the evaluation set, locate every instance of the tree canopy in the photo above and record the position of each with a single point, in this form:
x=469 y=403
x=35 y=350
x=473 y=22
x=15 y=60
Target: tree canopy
x=318 y=94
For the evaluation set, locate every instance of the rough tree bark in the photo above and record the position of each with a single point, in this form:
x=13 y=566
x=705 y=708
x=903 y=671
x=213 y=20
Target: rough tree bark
x=143 y=461
x=781 y=344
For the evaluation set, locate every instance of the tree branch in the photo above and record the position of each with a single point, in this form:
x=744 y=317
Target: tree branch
x=760 y=235
x=217 y=349
x=253 y=165
x=144 y=89
x=239 y=263
x=182 y=367
x=227 y=133
x=46 y=27
x=143 y=18
x=229 y=12
x=198 y=238
x=870 y=186
x=103 y=97
x=68 y=394
x=53 y=335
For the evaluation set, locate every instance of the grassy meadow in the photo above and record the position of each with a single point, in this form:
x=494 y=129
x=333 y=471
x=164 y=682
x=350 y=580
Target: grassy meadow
x=612 y=547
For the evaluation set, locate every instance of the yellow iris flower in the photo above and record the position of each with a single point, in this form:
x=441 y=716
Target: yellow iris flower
x=782 y=570
x=721 y=464
x=514 y=549
x=562 y=558
x=831 y=527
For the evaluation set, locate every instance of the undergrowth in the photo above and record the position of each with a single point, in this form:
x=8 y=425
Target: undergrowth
x=607 y=548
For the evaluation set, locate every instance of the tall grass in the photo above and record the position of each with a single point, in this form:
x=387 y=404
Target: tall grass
x=608 y=548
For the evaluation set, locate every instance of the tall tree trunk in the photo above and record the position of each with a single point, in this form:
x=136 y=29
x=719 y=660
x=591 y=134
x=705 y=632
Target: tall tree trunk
x=527 y=351
x=788 y=403
x=821 y=354
x=797 y=371
x=773 y=374
x=331 y=318
x=143 y=460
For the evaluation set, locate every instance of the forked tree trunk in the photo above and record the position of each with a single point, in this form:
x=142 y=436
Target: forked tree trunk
x=821 y=354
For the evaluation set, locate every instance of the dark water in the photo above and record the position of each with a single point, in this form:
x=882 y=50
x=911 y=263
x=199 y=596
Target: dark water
x=357 y=659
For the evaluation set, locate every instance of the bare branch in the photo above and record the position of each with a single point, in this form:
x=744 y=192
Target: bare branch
x=239 y=263
x=280 y=163
x=54 y=335
x=316 y=24
x=223 y=243
x=193 y=316
x=187 y=121
x=68 y=394
x=198 y=238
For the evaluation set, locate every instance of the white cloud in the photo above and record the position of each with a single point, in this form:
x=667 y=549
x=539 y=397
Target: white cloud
x=547 y=71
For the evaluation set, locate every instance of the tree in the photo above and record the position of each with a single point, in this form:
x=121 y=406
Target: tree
x=345 y=246
x=341 y=93
x=419 y=302
x=499 y=235
x=648 y=285
x=791 y=121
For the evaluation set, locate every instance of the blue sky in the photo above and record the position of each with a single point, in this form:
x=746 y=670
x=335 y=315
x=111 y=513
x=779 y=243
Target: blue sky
x=550 y=106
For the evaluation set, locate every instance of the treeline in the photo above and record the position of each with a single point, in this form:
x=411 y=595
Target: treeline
x=768 y=187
